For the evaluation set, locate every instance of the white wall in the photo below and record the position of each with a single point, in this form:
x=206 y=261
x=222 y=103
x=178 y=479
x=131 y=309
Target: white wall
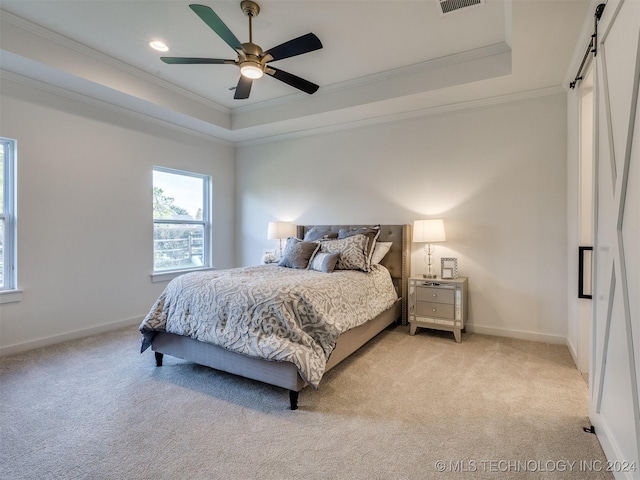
x=496 y=174
x=84 y=213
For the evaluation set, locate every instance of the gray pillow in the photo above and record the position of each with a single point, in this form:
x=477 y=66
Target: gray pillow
x=352 y=250
x=371 y=232
x=297 y=253
x=319 y=233
x=324 y=262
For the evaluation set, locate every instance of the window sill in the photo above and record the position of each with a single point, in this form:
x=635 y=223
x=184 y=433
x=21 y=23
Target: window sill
x=170 y=275
x=10 y=296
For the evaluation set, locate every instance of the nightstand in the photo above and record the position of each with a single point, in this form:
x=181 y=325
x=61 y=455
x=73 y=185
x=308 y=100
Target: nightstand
x=439 y=304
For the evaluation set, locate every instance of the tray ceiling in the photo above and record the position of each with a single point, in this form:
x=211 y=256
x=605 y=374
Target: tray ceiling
x=379 y=59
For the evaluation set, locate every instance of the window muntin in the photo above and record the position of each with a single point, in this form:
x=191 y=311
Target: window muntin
x=181 y=220
x=7 y=215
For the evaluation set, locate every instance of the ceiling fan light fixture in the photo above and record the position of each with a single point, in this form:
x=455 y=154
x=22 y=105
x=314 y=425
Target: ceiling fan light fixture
x=252 y=70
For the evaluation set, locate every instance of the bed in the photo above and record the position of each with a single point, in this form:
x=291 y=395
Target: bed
x=171 y=328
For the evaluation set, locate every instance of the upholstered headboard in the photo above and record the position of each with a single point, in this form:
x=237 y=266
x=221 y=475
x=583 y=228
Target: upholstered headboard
x=397 y=261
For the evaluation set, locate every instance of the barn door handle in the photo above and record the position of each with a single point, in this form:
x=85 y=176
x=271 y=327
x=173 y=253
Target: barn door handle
x=582 y=281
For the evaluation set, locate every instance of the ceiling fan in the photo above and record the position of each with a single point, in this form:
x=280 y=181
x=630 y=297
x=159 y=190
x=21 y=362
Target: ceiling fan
x=251 y=59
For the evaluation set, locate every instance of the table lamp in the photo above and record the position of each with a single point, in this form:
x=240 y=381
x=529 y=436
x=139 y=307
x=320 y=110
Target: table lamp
x=428 y=231
x=280 y=231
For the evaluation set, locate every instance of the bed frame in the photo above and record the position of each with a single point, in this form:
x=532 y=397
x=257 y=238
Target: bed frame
x=285 y=374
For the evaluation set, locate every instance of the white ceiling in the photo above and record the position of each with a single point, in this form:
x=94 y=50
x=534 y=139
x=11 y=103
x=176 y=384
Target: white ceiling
x=380 y=59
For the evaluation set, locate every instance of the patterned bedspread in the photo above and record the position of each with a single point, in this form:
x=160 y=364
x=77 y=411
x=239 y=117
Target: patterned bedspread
x=275 y=313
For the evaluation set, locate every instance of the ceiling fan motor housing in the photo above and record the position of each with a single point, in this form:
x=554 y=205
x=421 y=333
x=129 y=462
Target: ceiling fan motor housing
x=250 y=61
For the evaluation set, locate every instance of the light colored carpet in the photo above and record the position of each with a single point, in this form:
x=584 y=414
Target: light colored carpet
x=487 y=408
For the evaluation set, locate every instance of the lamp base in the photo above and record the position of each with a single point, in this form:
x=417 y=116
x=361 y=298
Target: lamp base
x=424 y=275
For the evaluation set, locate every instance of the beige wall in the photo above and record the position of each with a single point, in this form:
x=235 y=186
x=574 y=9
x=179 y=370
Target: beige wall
x=84 y=213
x=496 y=174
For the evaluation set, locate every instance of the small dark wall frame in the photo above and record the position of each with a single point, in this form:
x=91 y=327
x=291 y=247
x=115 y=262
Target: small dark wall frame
x=582 y=266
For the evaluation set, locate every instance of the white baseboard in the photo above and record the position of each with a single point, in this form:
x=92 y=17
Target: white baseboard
x=610 y=448
x=84 y=332
x=522 y=335
x=573 y=351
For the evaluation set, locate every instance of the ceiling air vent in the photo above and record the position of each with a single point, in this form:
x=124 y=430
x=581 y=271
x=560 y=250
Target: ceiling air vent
x=450 y=6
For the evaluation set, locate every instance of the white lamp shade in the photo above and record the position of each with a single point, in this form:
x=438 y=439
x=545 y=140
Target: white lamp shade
x=428 y=231
x=280 y=230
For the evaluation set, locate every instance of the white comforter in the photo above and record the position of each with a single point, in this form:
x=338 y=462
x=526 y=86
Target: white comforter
x=271 y=312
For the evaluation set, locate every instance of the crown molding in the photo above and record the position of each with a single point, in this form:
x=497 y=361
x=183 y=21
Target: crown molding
x=396 y=117
x=381 y=119
x=92 y=101
x=66 y=42
x=417 y=68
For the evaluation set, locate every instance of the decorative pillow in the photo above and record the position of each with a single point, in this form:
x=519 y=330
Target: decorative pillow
x=319 y=233
x=379 y=252
x=297 y=253
x=324 y=262
x=352 y=250
x=372 y=232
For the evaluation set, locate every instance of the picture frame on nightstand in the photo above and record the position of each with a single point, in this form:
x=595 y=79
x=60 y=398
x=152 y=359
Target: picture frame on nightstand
x=449 y=268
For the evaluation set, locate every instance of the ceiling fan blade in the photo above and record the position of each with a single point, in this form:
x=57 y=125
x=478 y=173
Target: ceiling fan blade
x=243 y=88
x=293 y=80
x=209 y=17
x=304 y=44
x=194 y=60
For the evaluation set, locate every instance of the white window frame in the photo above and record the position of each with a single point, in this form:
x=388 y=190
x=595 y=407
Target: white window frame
x=166 y=275
x=9 y=289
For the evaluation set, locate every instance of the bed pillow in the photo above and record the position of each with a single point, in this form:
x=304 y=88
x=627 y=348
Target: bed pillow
x=319 y=233
x=324 y=262
x=352 y=250
x=297 y=253
x=380 y=251
x=372 y=232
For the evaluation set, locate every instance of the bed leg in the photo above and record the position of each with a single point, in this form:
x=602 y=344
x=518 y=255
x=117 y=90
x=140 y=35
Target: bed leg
x=159 y=359
x=293 y=399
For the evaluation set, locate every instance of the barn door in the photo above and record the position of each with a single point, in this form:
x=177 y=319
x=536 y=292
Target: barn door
x=615 y=366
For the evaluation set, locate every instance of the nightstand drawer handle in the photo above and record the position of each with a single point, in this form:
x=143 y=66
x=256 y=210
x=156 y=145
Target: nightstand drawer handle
x=434 y=309
x=434 y=295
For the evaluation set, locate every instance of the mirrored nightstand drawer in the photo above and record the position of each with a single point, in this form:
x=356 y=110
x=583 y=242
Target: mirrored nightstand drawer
x=430 y=309
x=432 y=294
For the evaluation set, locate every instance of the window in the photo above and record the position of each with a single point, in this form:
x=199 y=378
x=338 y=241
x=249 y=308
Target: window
x=181 y=220
x=7 y=215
